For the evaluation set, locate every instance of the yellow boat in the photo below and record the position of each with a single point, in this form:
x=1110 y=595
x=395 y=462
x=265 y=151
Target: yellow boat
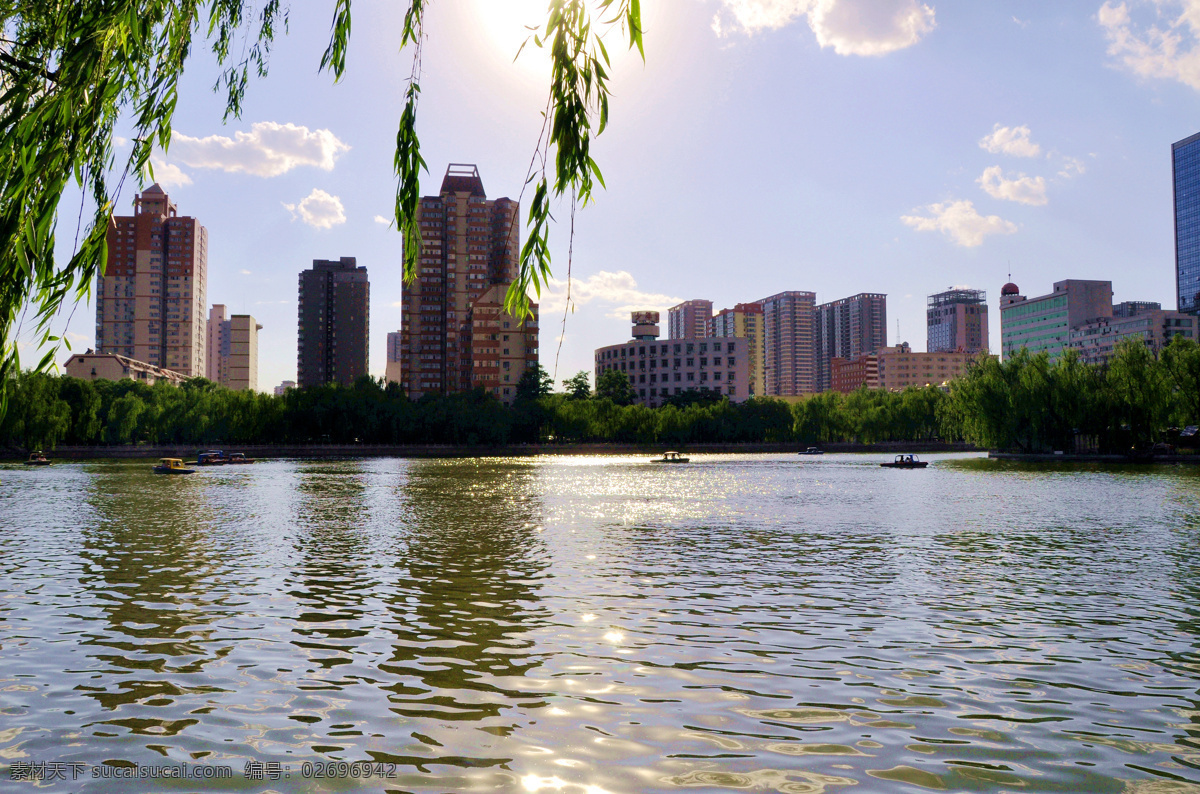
x=172 y=466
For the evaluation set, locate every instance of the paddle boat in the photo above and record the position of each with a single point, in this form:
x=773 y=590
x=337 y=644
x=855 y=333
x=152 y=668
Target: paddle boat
x=905 y=462
x=37 y=459
x=811 y=451
x=172 y=466
x=671 y=457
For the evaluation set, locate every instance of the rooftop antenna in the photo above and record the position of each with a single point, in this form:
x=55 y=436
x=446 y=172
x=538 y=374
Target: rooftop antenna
x=897 y=330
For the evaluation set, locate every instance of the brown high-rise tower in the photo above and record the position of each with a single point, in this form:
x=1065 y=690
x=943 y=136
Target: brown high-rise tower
x=455 y=335
x=333 y=322
x=150 y=301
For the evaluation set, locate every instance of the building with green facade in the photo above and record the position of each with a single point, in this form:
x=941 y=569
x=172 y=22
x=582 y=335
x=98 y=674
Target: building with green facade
x=1045 y=322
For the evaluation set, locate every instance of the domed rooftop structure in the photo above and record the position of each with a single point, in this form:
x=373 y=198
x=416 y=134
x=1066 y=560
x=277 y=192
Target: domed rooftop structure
x=1010 y=289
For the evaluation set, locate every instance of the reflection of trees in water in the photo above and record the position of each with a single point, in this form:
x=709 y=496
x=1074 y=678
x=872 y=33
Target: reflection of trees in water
x=328 y=581
x=1185 y=571
x=148 y=566
x=474 y=562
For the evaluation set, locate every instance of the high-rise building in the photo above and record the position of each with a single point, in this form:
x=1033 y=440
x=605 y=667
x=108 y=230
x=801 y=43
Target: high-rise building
x=689 y=320
x=789 y=343
x=282 y=388
x=150 y=300
x=333 y=308
x=1185 y=172
x=454 y=334
x=1045 y=322
x=745 y=321
x=957 y=320
x=394 y=353
x=849 y=328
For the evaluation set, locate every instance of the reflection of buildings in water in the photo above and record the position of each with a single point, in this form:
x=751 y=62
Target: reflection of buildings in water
x=329 y=580
x=148 y=566
x=473 y=567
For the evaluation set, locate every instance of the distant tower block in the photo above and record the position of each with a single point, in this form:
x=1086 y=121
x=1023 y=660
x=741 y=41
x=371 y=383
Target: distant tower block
x=957 y=320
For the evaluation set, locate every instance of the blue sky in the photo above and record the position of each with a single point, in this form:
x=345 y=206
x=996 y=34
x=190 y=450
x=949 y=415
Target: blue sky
x=837 y=146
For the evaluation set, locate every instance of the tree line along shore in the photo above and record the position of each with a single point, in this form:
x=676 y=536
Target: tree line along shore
x=1027 y=404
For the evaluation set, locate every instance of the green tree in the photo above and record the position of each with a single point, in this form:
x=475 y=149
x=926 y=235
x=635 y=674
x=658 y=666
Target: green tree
x=1181 y=359
x=577 y=386
x=614 y=385
x=71 y=72
x=1142 y=394
x=534 y=382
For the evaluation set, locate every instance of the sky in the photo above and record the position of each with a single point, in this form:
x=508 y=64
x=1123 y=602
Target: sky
x=834 y=146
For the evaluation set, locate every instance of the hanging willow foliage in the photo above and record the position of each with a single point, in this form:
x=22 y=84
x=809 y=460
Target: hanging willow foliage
x=70 y=71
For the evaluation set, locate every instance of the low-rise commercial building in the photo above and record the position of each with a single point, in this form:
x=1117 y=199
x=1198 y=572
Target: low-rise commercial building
x=900 y=367
x=110 y=366
x=850 y=374
x=658 y=370
x=1097 y=341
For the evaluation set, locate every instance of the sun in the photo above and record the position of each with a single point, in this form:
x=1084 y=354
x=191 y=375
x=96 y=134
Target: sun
x=506 y=24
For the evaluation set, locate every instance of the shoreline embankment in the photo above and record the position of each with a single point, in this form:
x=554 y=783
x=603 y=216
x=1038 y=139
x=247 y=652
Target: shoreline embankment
x=327 y=451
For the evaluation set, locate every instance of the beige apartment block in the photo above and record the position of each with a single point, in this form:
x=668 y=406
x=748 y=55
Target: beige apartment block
x=110 y=366
x=217 y=350
x=745 y=321
x=150 y=300
x=469 y=254
x=243 y=352
x=789 y=343
x=900 y=367
x=658 y=370
x=233 y=349
x=502 y=347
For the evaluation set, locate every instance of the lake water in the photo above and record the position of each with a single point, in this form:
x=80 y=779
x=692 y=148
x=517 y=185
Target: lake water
x=602 y=624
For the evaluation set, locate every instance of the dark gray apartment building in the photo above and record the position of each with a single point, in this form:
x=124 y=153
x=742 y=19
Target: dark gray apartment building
x=333 y=303
x=849 y=328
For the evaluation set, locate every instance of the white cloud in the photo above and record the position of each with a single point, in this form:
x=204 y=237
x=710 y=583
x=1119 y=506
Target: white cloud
x=618 y=288
x=1024 y=189
x=1072 y=167
x=851 y=27
x=269 y=149
x=245 y=272
x=319 y=210
x=1170 y=53
x=383 y=220
x=1013 y=141
x=869 y=27
x=959 y=221
x=168 y=175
